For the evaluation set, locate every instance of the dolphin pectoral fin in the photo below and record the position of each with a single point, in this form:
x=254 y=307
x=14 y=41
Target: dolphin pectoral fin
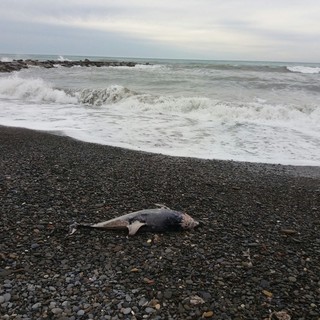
x=134 y=227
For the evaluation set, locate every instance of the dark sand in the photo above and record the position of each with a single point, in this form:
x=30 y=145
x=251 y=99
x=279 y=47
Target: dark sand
x=256 y=254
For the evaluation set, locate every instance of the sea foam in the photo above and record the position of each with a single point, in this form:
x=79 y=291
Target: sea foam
x=98 y=97
x=37 y=90
x=258 y=111
x=62 y=58
x=259 y=114
x=304 y=69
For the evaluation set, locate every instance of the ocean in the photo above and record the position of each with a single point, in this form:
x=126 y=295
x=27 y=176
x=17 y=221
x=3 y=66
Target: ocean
x=266 y=112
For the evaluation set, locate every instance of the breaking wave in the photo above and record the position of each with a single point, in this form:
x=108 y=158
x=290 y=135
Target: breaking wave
x=124 y=99
x=304 y=69
x=35 y=90
x=99 y=97
x=6 y=59
x=256 y=125
x=62 y=58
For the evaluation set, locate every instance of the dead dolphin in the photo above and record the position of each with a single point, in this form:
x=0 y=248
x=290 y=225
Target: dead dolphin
x=155 y=220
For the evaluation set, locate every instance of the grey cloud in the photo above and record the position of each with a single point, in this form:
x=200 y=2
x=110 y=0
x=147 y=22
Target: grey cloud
x=190 y=28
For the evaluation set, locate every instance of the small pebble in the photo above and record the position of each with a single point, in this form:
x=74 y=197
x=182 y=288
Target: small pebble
x=126 y=310
x=36 y=306
x=56 y=310
x=143 y=301
x=65 y=304
x=35 y=245
x=292 y=279
x=207 y=314
x=6 y=297
x=150 y=310
x=167 y=294
x=80 y=313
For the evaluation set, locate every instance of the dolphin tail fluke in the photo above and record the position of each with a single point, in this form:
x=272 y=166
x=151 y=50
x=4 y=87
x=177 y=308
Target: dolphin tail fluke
x=75 y=226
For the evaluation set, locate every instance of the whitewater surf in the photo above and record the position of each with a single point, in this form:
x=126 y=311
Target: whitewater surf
x=244 y=111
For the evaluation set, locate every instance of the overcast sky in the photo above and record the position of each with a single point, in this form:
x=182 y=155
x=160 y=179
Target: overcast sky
x=278 y=30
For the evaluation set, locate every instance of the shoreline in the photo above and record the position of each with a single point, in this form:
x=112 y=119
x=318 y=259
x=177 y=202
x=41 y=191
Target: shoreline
x=311 y=171
x=297 y=170
x=257 y=251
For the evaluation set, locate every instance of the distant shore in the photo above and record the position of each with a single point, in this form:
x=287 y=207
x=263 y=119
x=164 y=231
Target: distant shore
x=16 y=65
x=255 y=255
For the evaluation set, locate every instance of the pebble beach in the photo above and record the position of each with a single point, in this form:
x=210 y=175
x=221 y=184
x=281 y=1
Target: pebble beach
x=256 y=254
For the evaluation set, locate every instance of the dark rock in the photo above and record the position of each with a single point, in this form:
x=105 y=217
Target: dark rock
x=17 y=65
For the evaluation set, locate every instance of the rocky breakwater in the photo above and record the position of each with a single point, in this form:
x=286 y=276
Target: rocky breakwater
x=17 y=65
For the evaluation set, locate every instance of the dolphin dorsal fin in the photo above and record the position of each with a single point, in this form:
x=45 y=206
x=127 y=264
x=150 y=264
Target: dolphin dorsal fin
x=162 y=206
x=134 y=227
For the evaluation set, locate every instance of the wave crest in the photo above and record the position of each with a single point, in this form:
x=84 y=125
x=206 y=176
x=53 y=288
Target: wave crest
x=32 y=89
x=6 y=59
x=62 y=58
x=304 y=69
x=124 y=99
x=98 y=97
x=37 y=90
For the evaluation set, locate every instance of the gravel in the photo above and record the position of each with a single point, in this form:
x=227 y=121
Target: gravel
x=255 y=256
